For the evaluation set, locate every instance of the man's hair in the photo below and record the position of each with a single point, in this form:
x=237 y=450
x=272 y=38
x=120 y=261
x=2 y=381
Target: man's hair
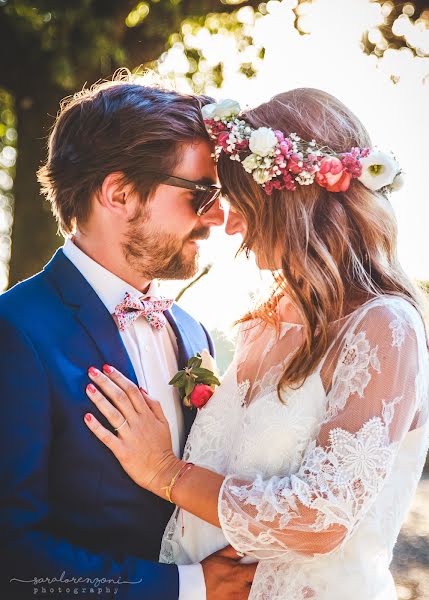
x=116 y=126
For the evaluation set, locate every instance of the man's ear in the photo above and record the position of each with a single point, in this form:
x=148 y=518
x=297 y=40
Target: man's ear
x=114 y=194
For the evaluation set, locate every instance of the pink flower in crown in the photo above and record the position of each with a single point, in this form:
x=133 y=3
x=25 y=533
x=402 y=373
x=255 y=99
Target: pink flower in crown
x=351 y=164
x=293 y=164
x=216 y=127
x=286 y=147
x=289 y=182
x=222 y=140
x=332 y=175
x=283 y=182
x=242 y=144
x=269 y=186
x=330 y=165
x=279 y=135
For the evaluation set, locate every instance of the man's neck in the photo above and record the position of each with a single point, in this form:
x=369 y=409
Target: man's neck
x=107 y=257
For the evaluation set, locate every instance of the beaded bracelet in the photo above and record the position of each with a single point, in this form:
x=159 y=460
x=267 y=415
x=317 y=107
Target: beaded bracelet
x=169 y=488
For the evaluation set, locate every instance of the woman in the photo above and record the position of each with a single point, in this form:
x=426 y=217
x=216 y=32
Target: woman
x=307 y=456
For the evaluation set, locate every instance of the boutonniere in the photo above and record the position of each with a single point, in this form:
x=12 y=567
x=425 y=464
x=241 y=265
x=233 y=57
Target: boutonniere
x=197 y=381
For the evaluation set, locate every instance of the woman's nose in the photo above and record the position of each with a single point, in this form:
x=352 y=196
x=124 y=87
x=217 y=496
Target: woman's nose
x=234 y=224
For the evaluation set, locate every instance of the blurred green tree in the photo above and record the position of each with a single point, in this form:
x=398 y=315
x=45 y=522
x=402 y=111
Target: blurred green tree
x=48 y=50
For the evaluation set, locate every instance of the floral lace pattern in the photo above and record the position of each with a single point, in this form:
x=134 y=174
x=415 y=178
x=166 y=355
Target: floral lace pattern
x=309 y=480
x=353 y=373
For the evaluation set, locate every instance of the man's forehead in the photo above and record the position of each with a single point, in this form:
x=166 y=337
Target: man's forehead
x=197 y=163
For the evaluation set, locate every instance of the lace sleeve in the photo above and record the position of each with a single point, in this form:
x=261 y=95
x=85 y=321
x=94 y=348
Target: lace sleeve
x=378 y=391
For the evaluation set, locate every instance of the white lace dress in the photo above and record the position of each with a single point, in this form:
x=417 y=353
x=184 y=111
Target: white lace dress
x=317 y=486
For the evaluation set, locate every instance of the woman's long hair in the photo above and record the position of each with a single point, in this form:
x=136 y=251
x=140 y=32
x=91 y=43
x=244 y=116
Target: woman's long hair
x=336 y=250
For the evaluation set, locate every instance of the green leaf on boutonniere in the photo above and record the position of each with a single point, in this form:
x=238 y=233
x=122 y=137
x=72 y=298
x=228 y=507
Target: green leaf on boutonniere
x=178 y=379
x=194 y=361
x=189 y=387
x=192 y=375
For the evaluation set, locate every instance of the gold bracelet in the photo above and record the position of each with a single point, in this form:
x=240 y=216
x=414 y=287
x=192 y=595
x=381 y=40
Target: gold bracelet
x=168 y=488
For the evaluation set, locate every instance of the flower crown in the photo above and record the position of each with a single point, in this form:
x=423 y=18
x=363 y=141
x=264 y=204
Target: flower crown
x=279 y=162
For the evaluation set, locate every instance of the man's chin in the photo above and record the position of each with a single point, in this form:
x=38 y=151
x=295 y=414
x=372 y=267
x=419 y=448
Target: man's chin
x=186 y=269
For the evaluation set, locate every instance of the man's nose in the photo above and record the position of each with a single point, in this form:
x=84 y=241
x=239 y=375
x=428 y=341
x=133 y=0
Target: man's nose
x=214 y=216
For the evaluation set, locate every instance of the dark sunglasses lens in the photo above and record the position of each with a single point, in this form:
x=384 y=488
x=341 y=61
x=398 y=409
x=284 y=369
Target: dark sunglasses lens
x=207 y=200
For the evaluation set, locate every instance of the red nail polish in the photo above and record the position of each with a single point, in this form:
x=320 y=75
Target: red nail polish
x=108 y=369
x=91 y=388
x=93 y=371
x=88 y=417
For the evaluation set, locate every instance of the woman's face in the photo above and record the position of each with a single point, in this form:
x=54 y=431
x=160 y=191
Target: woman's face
x=236 y=223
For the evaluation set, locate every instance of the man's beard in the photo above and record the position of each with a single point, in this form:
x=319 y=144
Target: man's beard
x=158 y=255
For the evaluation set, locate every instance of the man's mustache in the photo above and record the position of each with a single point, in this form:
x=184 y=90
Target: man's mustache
x=200 y=234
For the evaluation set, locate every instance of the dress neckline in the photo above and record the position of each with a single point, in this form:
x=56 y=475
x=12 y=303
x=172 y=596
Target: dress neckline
x=348 y=315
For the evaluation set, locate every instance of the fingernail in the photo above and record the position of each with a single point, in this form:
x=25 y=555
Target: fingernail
x=88 y=417
x=91 y=388
x=93 y=371
x=108 y=369
x=143 y=390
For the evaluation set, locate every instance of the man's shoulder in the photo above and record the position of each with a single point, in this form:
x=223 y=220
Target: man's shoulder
x=25 y=297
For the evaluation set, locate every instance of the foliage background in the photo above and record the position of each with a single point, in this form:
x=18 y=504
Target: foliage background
x=51 y=48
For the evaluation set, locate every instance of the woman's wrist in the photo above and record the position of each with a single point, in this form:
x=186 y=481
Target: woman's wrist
x=170 y=466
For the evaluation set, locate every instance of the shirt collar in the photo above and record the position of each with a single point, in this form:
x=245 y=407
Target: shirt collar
x=109 y=287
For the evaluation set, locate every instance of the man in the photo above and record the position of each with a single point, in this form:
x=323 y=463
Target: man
x=131 y=181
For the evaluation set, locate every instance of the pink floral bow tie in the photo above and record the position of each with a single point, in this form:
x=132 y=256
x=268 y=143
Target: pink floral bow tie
x=133 y=307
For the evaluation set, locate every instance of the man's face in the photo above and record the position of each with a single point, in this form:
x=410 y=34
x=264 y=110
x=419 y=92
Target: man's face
x=162 y=240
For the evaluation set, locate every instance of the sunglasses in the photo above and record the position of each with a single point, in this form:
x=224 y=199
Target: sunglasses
x=205 y=195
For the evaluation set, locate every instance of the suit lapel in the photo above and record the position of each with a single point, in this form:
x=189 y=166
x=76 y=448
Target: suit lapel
x=184 y=346
x=185 y=351
x=90 y=312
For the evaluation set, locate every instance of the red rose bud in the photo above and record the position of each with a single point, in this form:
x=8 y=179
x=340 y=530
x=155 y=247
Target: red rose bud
x=200 y=395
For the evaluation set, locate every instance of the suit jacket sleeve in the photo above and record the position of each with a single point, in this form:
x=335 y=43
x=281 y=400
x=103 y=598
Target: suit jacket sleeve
x=29 y=548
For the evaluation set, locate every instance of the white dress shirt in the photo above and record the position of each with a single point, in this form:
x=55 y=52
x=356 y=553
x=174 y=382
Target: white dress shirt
x=153 y=354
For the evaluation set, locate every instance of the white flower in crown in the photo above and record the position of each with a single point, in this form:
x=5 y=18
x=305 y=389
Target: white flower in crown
x=379 y=169
x=261 y=175
x=250 y=163
x=398 y=182
x=221 y=110
x=262 y=141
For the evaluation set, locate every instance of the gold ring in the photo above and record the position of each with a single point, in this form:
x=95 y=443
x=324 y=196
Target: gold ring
x=121 y=425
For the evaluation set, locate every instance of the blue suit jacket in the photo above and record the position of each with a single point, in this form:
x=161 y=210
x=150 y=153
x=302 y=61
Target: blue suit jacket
x=66 y=505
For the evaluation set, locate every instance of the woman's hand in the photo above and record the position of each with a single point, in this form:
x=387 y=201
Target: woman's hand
x=143 y=441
